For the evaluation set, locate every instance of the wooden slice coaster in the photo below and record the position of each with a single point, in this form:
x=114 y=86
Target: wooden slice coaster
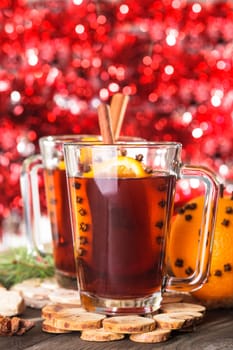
x=65 y=296
x=60 y=310
x=79 y=322
x=181 y=307
x=177 y=320
x=48 y=327
x=155 y=336
x=128 y=324
x=100 y=335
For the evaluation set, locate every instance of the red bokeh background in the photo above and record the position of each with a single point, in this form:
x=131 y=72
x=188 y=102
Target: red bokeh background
x=59 y=59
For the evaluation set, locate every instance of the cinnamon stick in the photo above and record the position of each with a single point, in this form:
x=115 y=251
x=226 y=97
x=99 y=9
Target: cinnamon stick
x=118 y=107
x=105 y=123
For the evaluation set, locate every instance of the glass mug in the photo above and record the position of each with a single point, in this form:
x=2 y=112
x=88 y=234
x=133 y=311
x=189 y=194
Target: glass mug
x=51 y=162
x=121 y=200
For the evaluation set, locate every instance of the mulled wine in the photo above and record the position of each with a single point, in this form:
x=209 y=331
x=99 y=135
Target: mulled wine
x=58 y=210
x=119 y=233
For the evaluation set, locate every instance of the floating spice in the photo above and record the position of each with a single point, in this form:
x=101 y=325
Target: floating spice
x=189 y=271
x=162 y=203
x=83 y=240
x=159 y=224
x=218 y=273
x=191 y=206
x=181 y=211
x=139 y=157
x=79 y=199
x=225 y=222
x=82 y=212
x=229 y=210
x=123 y=152
x=83 y=226
x=179 y=262
x=77 y=185
x=227 y=267
x=188 y=217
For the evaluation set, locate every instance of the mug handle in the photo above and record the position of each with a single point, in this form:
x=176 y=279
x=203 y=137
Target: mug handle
x=32 y=211
x=209 y=212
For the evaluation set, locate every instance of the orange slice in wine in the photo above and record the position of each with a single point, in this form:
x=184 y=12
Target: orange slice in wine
x=120 y=166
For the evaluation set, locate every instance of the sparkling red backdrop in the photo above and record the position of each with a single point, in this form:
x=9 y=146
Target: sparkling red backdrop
x=58 y=59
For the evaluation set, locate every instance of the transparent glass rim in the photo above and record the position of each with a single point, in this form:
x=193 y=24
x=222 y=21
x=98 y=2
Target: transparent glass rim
x=127 y=144
x=64 y=137
x=76 y=139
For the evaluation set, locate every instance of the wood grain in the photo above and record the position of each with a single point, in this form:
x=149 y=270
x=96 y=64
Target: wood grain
x=215 y=333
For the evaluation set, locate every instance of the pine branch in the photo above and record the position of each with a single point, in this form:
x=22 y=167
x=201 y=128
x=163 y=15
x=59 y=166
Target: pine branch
x=16 y=265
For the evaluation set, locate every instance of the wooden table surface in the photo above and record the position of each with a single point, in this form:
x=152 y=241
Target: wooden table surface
x=214 y=333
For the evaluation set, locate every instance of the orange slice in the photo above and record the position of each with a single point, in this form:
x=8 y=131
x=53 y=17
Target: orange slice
x=91 y=139
x=218 y=290
x=120 y=166
x=61 y=165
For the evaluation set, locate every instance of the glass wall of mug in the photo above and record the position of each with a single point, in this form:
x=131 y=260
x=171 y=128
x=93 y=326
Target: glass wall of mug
x=121 y=198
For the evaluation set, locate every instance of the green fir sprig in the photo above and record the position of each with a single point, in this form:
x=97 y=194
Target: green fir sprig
x=17 y=265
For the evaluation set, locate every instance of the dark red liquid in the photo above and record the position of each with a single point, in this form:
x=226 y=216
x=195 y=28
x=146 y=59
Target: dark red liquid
x=58 y=209
x=119 y=238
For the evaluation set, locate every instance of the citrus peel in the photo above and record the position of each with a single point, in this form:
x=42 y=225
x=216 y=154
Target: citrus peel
x=218 y=290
